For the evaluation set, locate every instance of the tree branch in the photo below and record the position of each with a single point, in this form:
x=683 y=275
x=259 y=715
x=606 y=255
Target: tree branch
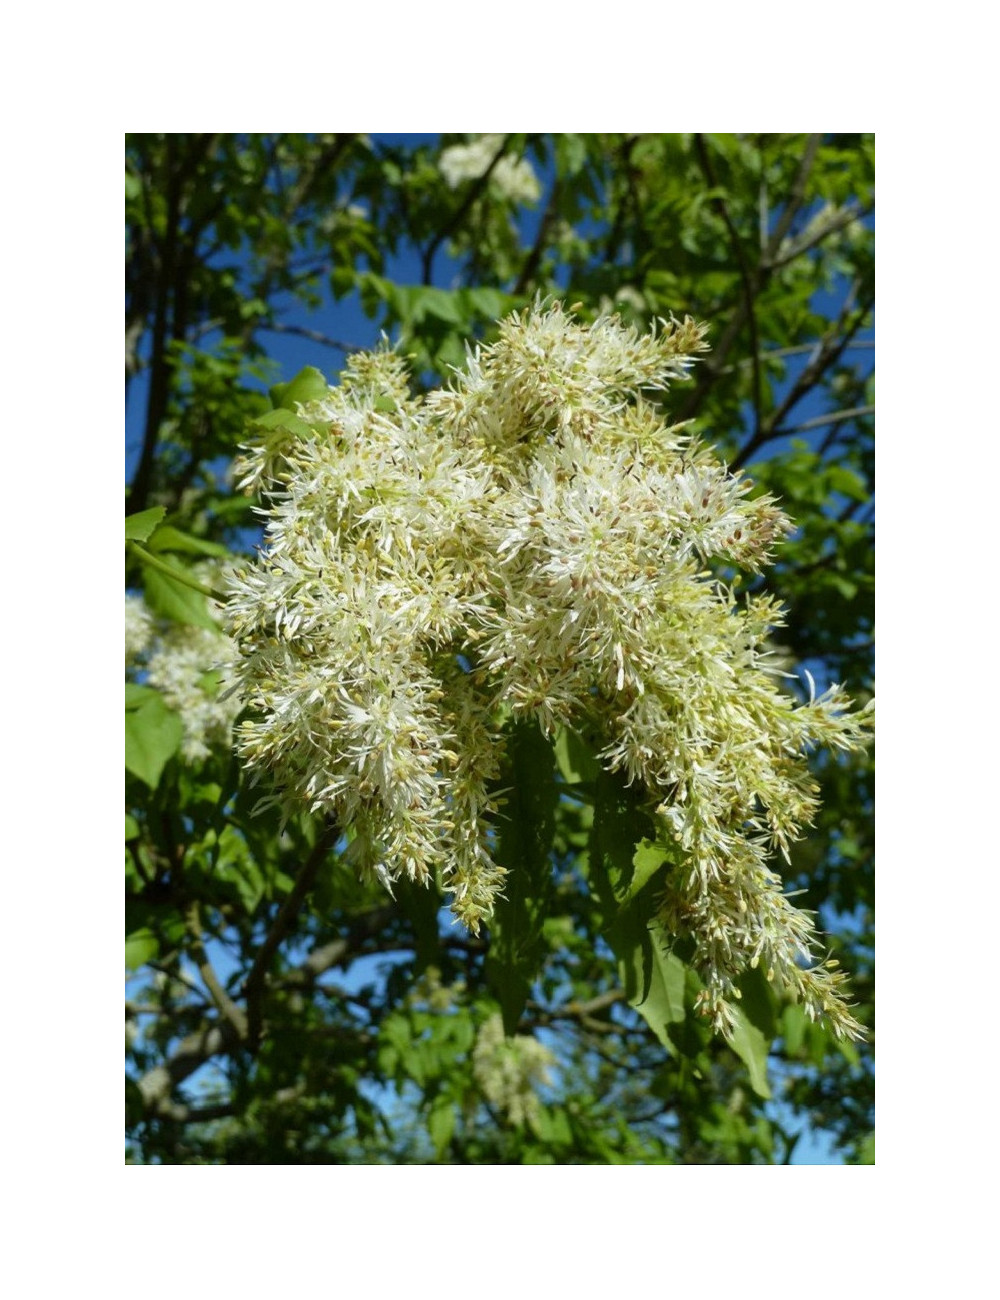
x=458 y=216
x=302 y=331
x=531 y=262
x=748 y=282
x=827 y=354
x=711 y=370
x=821 y=421
x=282 y=924
x=190 y=1054
x=220 y=997
x=795 y=199
x=804 y=244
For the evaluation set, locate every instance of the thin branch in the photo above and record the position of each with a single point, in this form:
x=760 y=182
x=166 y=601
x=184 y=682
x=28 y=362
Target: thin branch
x=827 y=354
x=281 y=926
x=458 y=216
x=181 y=978
x=796 y=350
x=531 y=262
x=749 y=283
x=320 y=960
x=220 y=997
x=711 y=370
x=803 y=244
x=795 y=199
x=584 y=1012
x=189 y=1055
x=181 y=1114
x=821 y=421
x=314 y=335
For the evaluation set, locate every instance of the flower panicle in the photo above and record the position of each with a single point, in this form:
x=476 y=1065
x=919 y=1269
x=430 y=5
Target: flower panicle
x=534 y=540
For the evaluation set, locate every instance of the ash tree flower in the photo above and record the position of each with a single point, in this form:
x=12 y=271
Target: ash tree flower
x=512 y=177
x=190 y=667
x=510 y=1071
x=534 y=542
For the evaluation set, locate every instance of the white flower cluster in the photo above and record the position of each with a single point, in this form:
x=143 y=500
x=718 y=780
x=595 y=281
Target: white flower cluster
x=514 y=178
x=138 y=628
x=533 y=541
x=510 y=1070
x=189 y=666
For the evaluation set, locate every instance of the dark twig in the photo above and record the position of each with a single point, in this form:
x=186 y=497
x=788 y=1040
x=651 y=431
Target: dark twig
x=458 y=216
x=827 y=354
x=721 y=350
x=280 y=927
x=821 y=421
x=302 y=331
x=220 y=997
x=531 y=262
x=748 y=281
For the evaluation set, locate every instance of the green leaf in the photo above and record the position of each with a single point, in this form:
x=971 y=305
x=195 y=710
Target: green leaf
x=141 y=946
x=153 y=734
x=138 y=527
x=551 y=1126
x=626 y=866
x=172 y=598
x=439 y=303
x=752 y=1048
x=308 y=385
x=758 y=1003
x=847 y=483
x=575 y=757
x=236 y=865
x=441 y=1124
x=648 y=860
x=517 y=943
x=653 y=976
x=136 y=695
x=571 y=153
x=620 y=824
x=134 y=1102
x=488 y=303
x=342 y=280
x=168 y=538
x=285 y=420
x=793 y=1027
x=844 y=586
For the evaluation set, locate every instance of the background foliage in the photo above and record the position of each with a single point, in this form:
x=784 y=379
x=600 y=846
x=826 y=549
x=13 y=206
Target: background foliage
x=278 y=1010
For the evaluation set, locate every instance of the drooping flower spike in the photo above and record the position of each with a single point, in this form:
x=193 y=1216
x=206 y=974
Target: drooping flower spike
x=533 y=541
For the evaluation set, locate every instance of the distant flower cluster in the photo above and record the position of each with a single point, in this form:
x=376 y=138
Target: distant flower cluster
x=532 y=542
x=513 y=177
x=510 y=1071
x=187 y=665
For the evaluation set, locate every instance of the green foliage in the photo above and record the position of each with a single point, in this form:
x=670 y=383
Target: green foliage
x=625 y=880
x=152 y=733
x=517 y=941
x=281 y=1010
x=138 y=527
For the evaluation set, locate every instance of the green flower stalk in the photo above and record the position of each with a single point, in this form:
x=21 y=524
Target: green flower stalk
x=533 y=541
